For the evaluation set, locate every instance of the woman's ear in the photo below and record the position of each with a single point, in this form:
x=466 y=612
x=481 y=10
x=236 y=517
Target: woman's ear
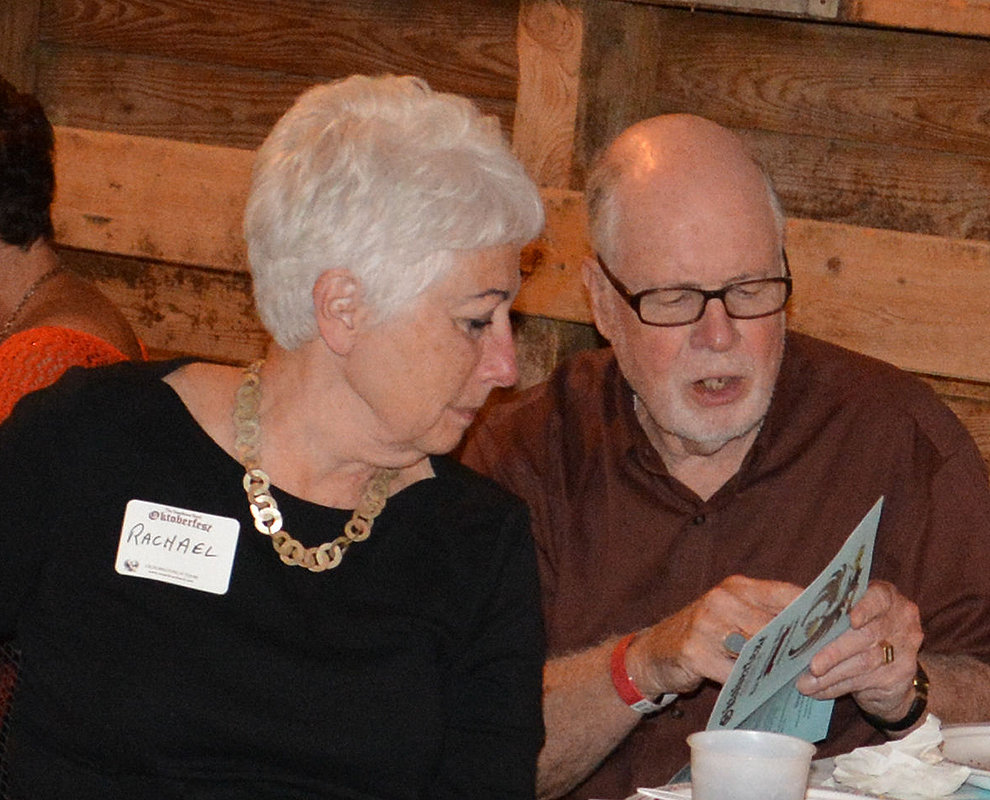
x=340 y=308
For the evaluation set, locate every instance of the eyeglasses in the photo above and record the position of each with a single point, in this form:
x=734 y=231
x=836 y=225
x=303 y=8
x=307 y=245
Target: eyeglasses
x=667 y=307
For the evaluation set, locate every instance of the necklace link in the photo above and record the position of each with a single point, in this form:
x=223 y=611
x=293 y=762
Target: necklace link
x=264 y=508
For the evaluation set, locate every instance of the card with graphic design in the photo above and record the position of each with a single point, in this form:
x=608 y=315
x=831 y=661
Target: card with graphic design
x=760 y=692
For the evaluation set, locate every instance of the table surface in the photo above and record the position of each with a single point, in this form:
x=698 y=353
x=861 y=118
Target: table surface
x=822 y=769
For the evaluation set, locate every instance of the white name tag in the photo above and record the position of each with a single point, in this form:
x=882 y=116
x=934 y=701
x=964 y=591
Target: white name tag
x=175 y=545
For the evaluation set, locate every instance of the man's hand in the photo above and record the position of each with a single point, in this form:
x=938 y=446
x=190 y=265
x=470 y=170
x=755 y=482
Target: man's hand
x=854 y=663
x=677 y=653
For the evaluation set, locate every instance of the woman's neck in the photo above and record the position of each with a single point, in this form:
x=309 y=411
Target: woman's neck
x=19 y=270
x=315 y=432
x=309 y=445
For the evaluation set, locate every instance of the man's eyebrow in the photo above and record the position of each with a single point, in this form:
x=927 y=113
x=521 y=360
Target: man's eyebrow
x=740 y=278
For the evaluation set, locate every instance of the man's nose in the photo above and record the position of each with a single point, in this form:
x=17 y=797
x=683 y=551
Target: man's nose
x=716 y=330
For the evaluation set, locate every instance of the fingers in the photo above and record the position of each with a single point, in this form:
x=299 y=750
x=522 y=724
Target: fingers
x=878 y=599
x=733 y=611
x=856 y=662
x=876 y=659
x=688 y=647
x=882 y=615
x=769 y=597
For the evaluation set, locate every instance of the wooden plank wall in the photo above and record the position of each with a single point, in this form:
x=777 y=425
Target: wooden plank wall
x=878 y=128
x=220 y=73
x=875 y=126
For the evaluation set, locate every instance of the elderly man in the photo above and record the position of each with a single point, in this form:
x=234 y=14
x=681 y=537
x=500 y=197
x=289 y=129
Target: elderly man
x=686 y=483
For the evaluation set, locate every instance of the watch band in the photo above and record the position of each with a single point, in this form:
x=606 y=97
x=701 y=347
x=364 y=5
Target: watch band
x=914 y=713
x=624 y=685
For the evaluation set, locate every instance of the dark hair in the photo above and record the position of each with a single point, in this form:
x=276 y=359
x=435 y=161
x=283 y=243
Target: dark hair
x=27 y=171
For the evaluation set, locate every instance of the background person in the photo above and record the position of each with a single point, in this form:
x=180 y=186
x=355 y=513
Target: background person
x=373 y=629
x=688 y=481
x=50 y=318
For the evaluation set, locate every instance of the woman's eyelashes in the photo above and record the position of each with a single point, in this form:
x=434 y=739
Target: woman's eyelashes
x=476 y=326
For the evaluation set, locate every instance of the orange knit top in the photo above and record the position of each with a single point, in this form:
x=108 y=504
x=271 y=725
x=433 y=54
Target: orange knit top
x=36 y=357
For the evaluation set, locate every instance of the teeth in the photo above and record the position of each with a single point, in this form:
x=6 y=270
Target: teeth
x=714 y=384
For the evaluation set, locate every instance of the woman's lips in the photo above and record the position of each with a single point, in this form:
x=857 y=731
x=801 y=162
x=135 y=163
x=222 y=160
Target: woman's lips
x=465 y=413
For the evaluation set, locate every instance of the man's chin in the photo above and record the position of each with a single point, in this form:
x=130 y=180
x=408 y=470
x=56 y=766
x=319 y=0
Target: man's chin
x=706 y=441
x=706 y=447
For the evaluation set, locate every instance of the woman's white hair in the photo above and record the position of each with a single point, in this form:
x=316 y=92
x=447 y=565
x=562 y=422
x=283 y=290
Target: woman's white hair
x=385 y=178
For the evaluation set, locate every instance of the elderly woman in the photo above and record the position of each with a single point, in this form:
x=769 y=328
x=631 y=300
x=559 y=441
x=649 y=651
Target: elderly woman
x=269 y=582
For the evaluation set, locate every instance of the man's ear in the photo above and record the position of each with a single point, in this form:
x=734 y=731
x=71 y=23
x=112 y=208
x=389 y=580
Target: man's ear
x=597 y=287
x=340 y=308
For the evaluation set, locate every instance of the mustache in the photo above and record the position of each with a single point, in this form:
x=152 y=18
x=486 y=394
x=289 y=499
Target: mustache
x=721 y=368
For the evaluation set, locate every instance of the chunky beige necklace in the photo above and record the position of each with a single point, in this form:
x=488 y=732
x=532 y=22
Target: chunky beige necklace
x=264 y=509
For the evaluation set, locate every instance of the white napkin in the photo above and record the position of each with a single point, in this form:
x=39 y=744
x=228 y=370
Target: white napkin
x=911 y=768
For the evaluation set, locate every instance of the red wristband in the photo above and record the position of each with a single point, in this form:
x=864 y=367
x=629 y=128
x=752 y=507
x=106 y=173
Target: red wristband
x=624 y=685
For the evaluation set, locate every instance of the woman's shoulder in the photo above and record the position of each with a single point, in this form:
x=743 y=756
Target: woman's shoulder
x=59 y=342
x=474 y=521
x=455 y=479
x=75 y=304
x=113 y=391
x=121 y=376
x=35 y=358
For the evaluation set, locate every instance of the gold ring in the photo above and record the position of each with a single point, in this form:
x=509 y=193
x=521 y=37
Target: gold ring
x=888 y=651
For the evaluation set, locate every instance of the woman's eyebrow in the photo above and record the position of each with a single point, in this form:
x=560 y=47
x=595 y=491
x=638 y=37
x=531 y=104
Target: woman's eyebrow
x=500 y=293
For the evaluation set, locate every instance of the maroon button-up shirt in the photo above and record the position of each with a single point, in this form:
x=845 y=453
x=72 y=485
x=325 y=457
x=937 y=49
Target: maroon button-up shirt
x=622 y=544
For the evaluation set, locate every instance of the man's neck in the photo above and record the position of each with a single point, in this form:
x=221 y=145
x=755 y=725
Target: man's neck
x=703 y=468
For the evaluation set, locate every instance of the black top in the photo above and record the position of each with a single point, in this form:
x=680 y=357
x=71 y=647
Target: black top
x=411 y=670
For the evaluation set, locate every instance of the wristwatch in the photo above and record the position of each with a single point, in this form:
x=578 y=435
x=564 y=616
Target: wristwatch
x=914 y=713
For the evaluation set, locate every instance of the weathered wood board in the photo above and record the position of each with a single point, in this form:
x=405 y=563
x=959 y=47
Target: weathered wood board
x=179 y=310
x=967 y=17
x=469 y=48
x=18 y=39
x=879 y=128
x=550 y=40
x=881 y=292
x=223 y=72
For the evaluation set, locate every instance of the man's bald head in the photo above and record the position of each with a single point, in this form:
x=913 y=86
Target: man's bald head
x=681 y=170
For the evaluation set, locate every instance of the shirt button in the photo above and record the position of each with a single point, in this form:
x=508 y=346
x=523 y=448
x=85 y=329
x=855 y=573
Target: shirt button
x=677 y=712
x=699 y=520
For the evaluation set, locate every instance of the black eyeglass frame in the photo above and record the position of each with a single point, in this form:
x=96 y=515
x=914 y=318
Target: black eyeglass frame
x=635 y=299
